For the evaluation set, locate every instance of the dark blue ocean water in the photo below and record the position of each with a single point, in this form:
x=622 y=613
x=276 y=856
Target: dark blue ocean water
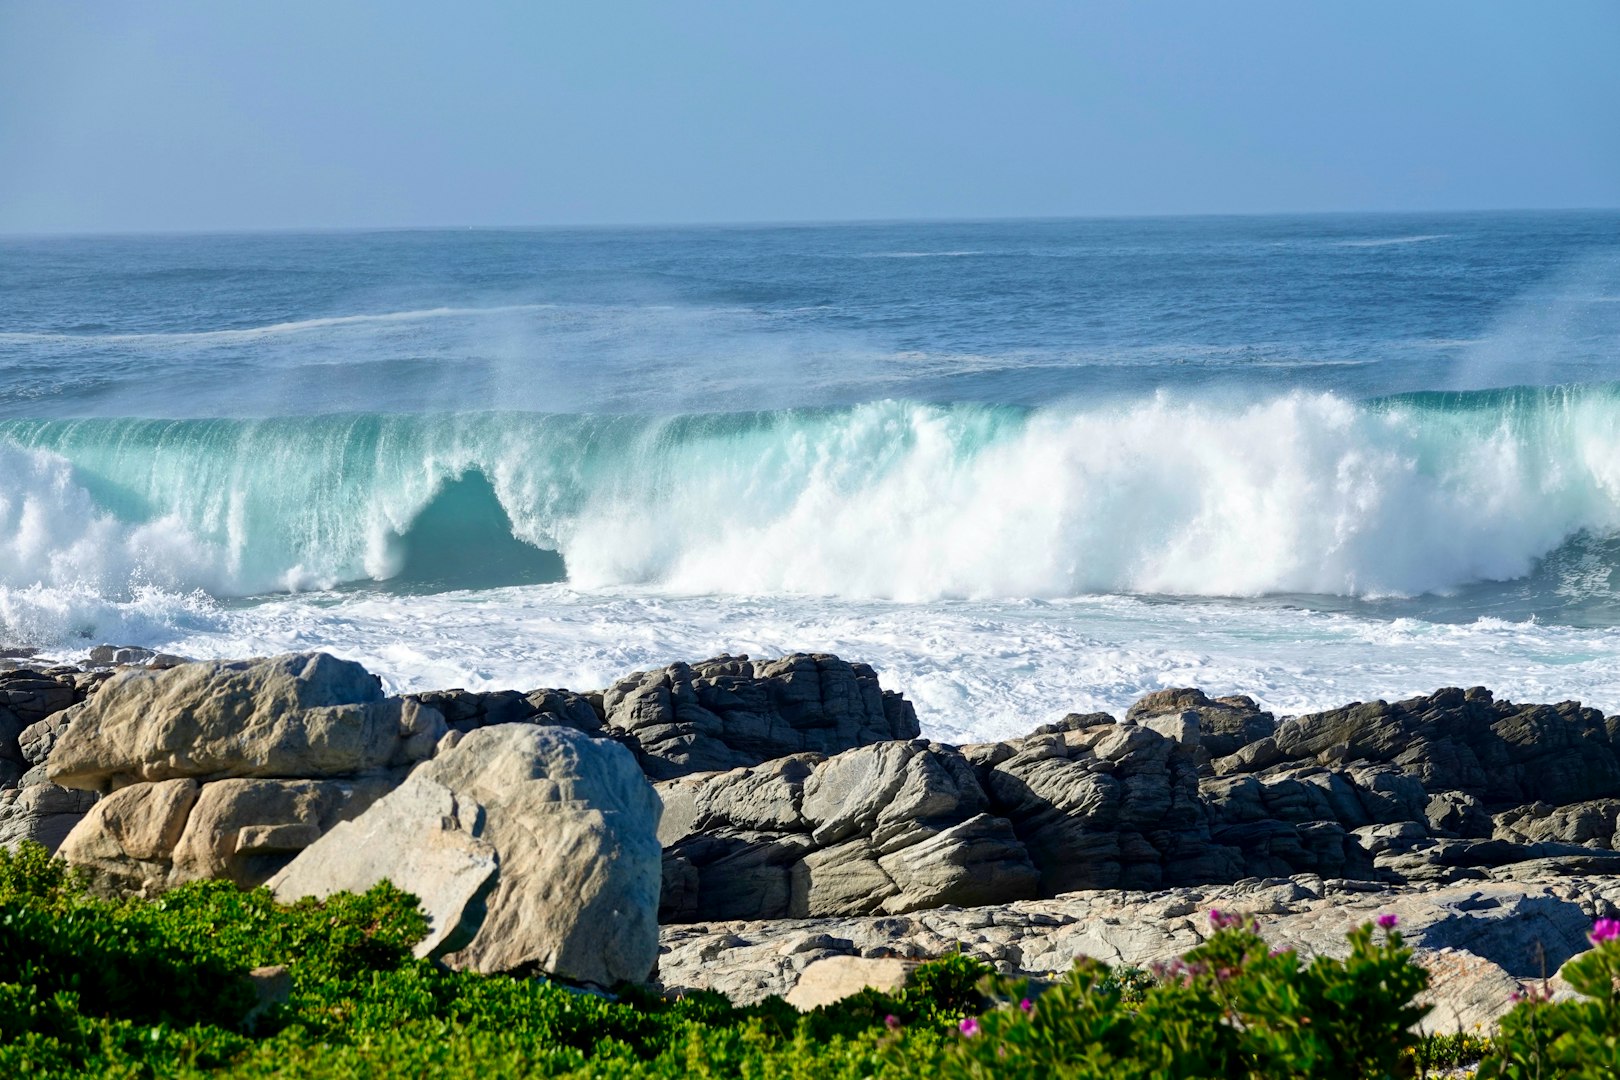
x=719 y=319
x=277 y=440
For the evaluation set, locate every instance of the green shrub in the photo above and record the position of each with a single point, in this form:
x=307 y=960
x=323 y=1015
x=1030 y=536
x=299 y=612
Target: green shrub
x=1579 y=1039
x=90 y=986
x=1231 y=1007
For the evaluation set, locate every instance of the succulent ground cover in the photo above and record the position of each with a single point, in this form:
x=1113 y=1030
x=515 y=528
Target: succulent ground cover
x=139 y=988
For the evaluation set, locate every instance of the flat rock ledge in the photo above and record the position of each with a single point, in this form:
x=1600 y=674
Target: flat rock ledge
x=1480 y=940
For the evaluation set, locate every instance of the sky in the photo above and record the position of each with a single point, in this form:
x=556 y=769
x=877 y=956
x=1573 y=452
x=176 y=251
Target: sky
x=177 y=116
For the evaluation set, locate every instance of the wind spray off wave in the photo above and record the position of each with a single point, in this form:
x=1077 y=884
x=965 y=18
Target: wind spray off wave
x=1302 y=493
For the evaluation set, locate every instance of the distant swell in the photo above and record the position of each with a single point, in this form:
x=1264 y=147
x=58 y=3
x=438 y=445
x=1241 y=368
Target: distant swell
x=1298 y=494
x=251 y=332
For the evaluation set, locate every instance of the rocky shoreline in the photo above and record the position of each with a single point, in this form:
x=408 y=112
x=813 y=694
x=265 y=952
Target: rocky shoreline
x=803 y=818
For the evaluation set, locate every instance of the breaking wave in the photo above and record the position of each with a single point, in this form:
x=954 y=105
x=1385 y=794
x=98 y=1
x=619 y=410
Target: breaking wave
x=1304 y=493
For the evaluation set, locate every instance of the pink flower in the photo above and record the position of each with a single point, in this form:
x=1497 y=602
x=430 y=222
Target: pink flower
x=1388 y=921
x=1605 y=930
x=891 y=1021
x=1027 y=1005
x=1532 y=994
x=1222 y=920
x=969 y=1026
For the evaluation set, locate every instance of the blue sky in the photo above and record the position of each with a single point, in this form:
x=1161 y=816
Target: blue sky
x=163 y=115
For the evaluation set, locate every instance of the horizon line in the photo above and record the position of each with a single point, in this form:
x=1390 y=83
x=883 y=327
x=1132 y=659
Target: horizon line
x=801 y=223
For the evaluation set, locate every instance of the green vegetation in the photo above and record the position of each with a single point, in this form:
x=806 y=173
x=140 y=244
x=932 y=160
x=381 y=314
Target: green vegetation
x=132 y=988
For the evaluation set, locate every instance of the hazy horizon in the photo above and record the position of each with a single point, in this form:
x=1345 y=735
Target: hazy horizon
x=826 y=223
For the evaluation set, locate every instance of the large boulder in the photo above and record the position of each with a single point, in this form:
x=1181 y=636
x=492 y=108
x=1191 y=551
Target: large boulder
x=225 y=770
x=424 y=838
x=534 y=848
x=292 y=716
x=147 y=838
x=733 y=712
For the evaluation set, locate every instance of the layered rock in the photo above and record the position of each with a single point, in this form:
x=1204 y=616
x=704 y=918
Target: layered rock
x=531 y=847
x=228 y=769
x=466 y=711
x=733 y=712
x=902 y=826
x=1440 y=787
x=34 y=705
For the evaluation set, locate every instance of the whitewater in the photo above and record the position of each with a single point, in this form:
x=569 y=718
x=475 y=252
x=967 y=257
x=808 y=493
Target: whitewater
x=1023 y=469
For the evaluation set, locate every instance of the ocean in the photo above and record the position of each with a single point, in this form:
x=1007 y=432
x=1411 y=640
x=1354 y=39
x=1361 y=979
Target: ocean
x=1022 y=468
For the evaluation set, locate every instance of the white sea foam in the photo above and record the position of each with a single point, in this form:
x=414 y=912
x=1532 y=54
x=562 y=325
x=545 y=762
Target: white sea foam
x=918 y=254
x=1387 y=241
x=976 y=670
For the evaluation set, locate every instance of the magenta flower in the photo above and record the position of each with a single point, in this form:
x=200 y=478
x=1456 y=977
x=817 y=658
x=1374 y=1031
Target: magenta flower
x=1605 y=930
x=1222 y=920
x=1027 y=1005
x=891 y=1021
x=1388 y=921
x=970 y=1026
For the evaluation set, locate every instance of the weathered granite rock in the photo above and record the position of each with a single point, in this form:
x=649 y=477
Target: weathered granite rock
x=571 y=823
x=1481 y=939
x=38 y=740
x=34 y=707
x=1100 y=804
x=1095 y=803
x=732 y=712
x=299 y=715
x=29 y=698
x=146 y=838
x=895 y=826
x=225 y=770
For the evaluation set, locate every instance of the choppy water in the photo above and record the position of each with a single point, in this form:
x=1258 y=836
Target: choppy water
x=1022 y=467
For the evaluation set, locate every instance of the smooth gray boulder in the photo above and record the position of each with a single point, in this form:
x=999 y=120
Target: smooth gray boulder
x=423 y=838
x=571 y=825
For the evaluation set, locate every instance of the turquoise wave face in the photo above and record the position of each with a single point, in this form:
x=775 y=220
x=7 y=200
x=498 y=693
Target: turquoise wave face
x=1306 y=494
